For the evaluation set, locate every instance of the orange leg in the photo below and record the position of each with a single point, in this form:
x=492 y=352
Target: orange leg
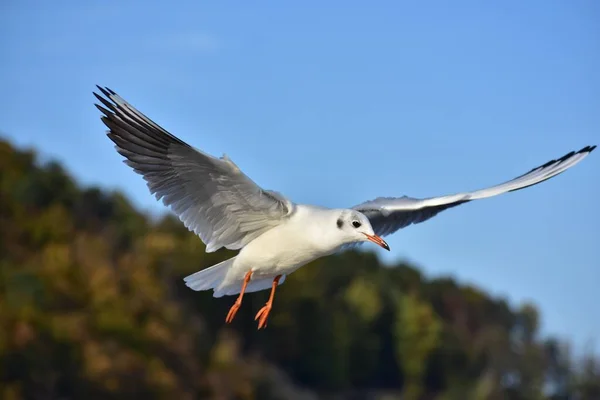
x=236 y=306
x=263 y=313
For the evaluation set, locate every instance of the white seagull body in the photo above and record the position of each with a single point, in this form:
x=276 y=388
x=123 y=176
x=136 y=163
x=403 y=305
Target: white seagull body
x=218 y=202
x=300 y=239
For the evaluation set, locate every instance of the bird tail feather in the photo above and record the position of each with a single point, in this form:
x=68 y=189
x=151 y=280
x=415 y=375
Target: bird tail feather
x=209 y=278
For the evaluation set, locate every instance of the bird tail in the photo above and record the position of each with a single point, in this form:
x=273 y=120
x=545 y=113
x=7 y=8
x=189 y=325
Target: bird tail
x=209 y=278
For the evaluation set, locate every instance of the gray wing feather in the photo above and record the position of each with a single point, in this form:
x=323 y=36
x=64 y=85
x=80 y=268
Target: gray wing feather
x=211 y=196
x=388 y=214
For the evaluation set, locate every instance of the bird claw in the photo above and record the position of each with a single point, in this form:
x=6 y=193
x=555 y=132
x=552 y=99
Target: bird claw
x=262 y=316
x=232 y=311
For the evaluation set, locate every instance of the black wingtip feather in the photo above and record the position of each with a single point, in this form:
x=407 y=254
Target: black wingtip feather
x=104 y=92
x=103 y=110
x=105 y=102
x=587 y=149
x=566 y=157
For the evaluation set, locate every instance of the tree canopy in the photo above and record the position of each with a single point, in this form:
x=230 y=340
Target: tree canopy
x=93 y=306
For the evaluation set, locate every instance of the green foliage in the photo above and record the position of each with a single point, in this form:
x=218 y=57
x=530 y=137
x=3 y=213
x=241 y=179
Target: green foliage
x=417 y=331
x=93 y=305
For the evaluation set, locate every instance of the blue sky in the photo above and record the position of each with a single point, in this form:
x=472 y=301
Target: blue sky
x=338 y=103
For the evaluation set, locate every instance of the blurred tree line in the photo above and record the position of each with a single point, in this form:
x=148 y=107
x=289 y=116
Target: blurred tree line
x=93 y=306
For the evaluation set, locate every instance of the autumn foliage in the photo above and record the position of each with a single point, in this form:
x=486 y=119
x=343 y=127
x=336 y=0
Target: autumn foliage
x=93 y=306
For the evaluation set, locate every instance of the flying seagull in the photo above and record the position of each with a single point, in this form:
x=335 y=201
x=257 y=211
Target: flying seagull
x=275 y=236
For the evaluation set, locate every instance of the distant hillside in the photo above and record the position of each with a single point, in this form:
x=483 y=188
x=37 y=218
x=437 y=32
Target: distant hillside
x=93 y=306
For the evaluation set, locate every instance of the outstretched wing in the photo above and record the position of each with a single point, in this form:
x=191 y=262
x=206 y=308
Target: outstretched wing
x=211 y=196
x=389 y=214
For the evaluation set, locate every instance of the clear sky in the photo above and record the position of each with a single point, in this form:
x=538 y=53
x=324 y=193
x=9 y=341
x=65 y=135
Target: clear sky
x=333 y=103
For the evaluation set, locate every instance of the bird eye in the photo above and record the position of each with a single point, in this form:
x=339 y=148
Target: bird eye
x=356 y=224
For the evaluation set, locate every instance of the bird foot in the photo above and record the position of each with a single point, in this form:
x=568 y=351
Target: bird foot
x=262 y=315
x=232 y=311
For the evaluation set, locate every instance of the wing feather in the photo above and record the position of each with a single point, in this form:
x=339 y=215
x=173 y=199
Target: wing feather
x=211 y=196
x=389 y=214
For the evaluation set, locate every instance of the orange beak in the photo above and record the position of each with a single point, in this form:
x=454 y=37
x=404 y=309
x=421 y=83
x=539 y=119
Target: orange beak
x=378 y=241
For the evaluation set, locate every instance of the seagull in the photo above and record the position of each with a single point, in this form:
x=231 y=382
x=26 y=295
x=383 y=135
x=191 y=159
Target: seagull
x=275 y=236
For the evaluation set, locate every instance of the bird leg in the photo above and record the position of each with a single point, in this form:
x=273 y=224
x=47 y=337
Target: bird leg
x=263 y=313
x=236 y=306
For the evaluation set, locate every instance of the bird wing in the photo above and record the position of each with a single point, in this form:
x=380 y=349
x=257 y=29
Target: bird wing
x=389 y=214
x=211 y=196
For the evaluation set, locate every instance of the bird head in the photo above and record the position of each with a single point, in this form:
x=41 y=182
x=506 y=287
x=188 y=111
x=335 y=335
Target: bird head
x=355 y=227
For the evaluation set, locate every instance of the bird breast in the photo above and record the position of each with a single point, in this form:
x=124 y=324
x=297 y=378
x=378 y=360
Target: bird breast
x=288 y=246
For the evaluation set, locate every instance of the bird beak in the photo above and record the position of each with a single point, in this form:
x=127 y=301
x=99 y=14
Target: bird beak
x=377 y=240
